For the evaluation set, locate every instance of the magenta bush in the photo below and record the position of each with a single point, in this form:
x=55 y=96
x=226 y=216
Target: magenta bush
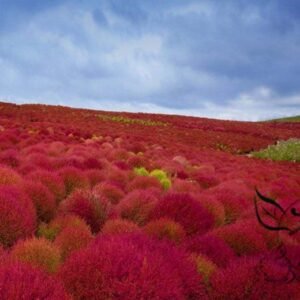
x=90 y=206
x=109 y=191
x=42 y=199
x=17 y=216
x=52 y=181
x=137 y=206
x=20 y=281
x=212 y=247
x=185 y=210
x=73 y=179
x=252 y=278
x=131 y=267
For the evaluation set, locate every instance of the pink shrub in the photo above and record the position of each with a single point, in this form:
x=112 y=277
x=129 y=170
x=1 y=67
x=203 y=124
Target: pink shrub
x=109 y=191
x=10 y=158
x=165 y=228
x=9 y=177
x=92 y=163
x=39 y=253
x=57 y=225
x=235 y=197
x=143 y=183
x=52 y=181
x=131 y=267
x=184 y=186
x=137 y=206
x=212 y=247
x=117 y=177
x=242 y=238
x=205 y=266
x=252 y=278
x=95 y=176
x=19 y=281
x=71 y=238
x=17 y=216
x=118 y=226
x=39 y=160
x=185 y=210
x=206 y=180
x=73 y=179
x=136 y=161
x=88 y=205
x=42 y=199
x=215 y=207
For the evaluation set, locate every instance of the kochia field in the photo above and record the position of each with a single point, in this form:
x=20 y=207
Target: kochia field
x=106 y=205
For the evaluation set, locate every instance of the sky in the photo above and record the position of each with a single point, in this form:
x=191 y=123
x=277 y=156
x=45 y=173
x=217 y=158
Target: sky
x=230 y=59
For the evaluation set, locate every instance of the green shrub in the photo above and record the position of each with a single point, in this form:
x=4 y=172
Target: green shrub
x=283 y=150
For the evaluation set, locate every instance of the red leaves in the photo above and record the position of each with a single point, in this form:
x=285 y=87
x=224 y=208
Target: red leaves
x=73 y=173
x=131 y=267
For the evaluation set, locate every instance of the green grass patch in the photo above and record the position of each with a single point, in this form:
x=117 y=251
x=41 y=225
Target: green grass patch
x=284 y=150
x=288 y=119
x=125 y=120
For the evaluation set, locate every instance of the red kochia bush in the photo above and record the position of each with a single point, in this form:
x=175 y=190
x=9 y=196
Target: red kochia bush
x=42 y=199
x=119 y=226
x=212 y=247
x=234 y=195
x=52 y=181
x=185 y=210
x=143 y=182
x=88 y=205
x=9 y=177
x=165 y=228
x=131 y=267
x=252 y=278
x=19 y=281
x=57 y=225
x=17 y=215
x=137 y=206
x=39 y=253
x=73 y=179
x=110 y=191
x=71 y=239
x=242 y=237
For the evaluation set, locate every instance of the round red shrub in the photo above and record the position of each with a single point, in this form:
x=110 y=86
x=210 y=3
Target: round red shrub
x=215 y=207
x=20 y=281
x=131 y=267
x=117 y=177
x=95 y=176
x=88 y=205
x=52 y=181
x=42 y=199
x=137 y=206
x=109 y=191
x=52 y=229
x=242 y=238
x=252 y=278
x=9 y=177
x=205 y=266
x=39 y=253
x=71 y=239
x=212 y=247
x=10 y=158
x=118 y=226
x=165 y=228
x=184 y=186
x=73 y=179
x=143 y=182
x=17 y=215
x=185 y=210
x=234 y=195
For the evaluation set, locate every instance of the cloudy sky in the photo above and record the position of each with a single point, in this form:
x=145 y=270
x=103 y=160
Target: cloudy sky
x=231 y=59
